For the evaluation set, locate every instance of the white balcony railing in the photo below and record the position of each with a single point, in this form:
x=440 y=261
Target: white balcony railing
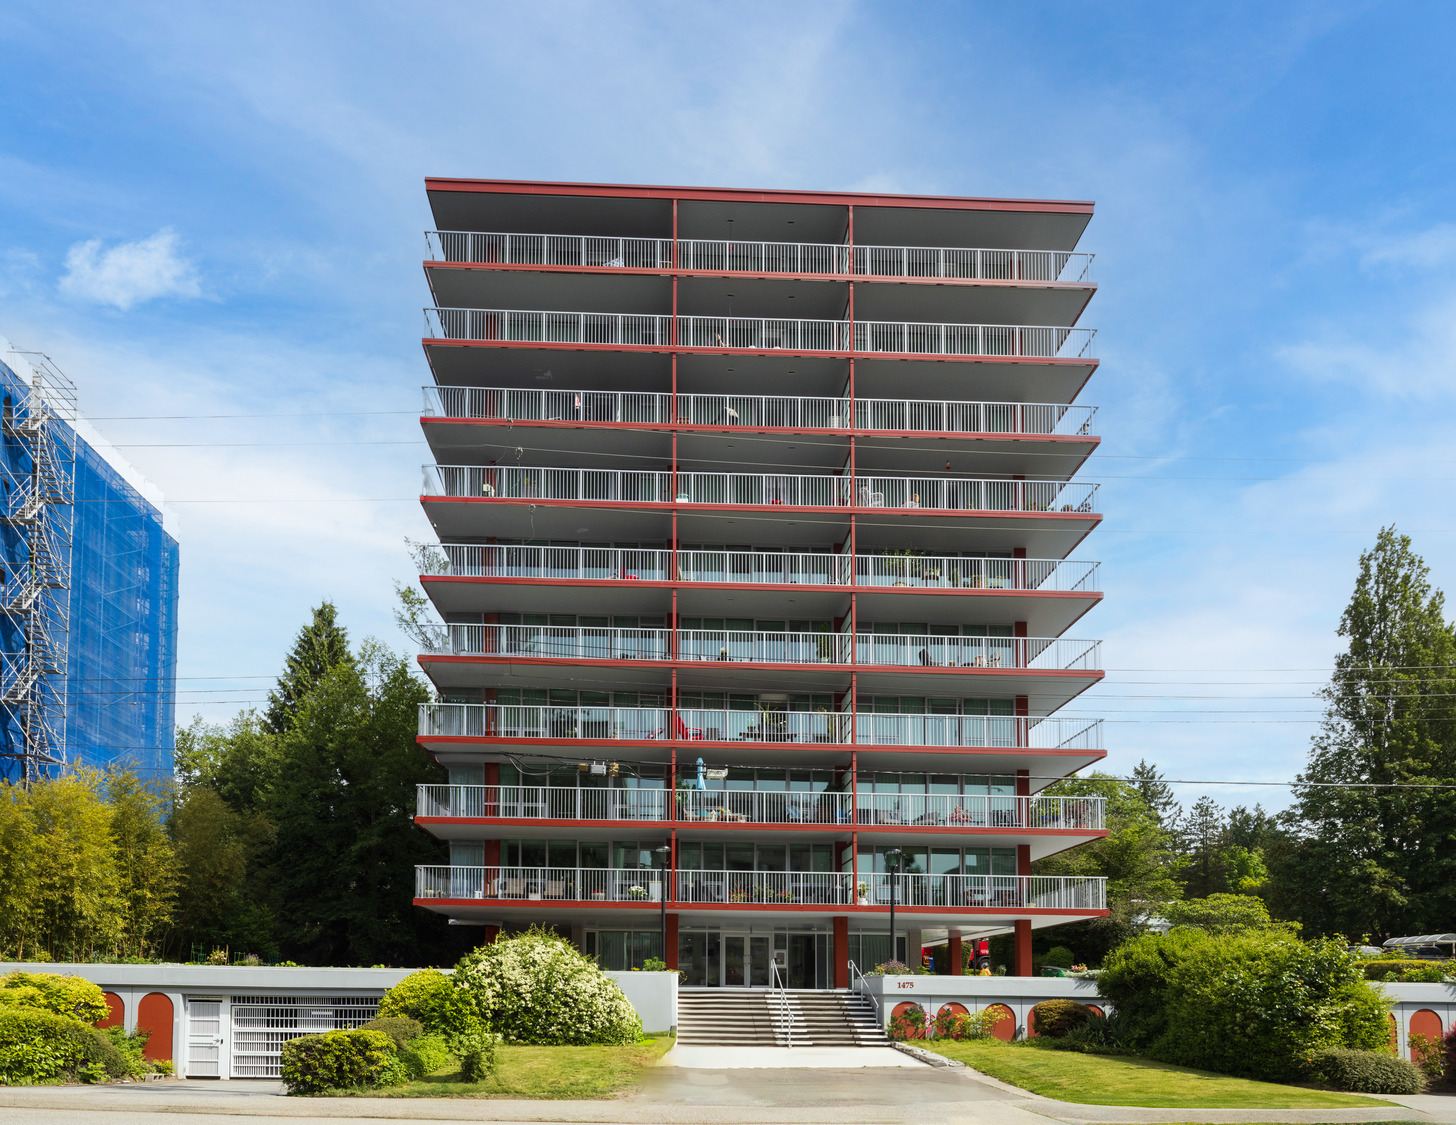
x=990 y=731
x=646 y=486
x=828 y=888
x=549 y=249
x=946 y=810
x=508 y=405
x=567 y=803
x=767 y=411
x=598 y=724
x=490 y=720
x=578 y=884
x=825 y=259
x=473 y=560
x=762 y=648
x=540 y=802
x=951 y=573
x=516 y=326
x=1041 y=653
x=558 y=642
x=567 y=642
x=759 y=333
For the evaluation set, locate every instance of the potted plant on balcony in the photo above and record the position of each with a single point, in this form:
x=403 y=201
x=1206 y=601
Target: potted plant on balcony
x=637 y=892
x=825 y=646
x=862 y=895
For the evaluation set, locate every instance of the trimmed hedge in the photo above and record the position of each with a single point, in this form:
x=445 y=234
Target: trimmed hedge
x=1055 y=1018
x=341 y=1060
x=424 y=1055
x=1366 y=1072
x=37 y=1046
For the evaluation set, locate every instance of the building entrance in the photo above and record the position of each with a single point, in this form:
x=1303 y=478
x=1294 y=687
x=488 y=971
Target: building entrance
x=737 y=959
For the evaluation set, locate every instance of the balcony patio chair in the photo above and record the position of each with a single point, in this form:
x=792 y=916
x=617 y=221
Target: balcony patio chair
x=868 y=499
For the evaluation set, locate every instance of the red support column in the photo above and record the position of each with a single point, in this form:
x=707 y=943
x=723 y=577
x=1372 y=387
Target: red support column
x=955 y=953
x=1023 y=948
x=670 y=953
x=491 y=933
x=841 y=951
x=492 y=795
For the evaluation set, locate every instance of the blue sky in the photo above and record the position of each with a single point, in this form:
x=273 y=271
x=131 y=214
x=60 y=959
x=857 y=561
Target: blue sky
x=217 y=210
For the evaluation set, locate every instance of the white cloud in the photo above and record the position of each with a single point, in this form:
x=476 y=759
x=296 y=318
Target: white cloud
x=129 y=273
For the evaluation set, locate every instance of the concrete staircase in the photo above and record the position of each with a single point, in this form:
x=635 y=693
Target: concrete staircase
x=744 y=1017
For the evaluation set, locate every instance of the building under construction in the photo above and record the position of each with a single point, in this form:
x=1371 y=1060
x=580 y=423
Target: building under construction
x=88 y=591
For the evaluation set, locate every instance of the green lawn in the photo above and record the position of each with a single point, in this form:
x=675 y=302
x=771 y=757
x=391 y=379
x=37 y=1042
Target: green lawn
x=544 y=1072
x=1120 y=1080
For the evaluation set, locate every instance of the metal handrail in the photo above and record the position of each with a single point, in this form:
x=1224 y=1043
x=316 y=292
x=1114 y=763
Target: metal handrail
x=778 y=987
x=1027 y=341
x=862 y=986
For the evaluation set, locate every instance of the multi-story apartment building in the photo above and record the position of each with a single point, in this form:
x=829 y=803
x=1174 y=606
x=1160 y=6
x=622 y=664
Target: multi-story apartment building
x=754 y=510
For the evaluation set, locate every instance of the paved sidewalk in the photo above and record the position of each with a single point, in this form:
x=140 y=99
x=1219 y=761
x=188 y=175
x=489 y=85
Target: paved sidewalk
x=738 y=1058
x=668 y=1096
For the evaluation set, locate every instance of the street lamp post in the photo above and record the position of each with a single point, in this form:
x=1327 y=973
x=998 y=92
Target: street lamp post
x=892 y=865
x=663 y=852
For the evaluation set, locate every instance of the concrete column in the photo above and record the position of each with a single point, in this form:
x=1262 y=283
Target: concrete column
x=1023 y=948
x=670 y=953
x=841 y=951
x=912 y=948
x=956 y=953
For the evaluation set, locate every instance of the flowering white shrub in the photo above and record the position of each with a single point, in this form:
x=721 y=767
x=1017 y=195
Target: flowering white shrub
x=535 y=988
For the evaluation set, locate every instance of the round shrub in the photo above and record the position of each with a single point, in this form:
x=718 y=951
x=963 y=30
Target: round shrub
x=432 y=999
x=1255 y=1003
x=341 y=1060
x=1055 y=1018
x=1059 y=957
x=1366 y=1072
x=53 y=992
x=536 y=988
x=399 y=1028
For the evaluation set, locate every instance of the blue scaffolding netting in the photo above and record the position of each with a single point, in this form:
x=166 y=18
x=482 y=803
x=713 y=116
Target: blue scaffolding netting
x=121 y=652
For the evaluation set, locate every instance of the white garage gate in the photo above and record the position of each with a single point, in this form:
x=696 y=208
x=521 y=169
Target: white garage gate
x=242 y=1036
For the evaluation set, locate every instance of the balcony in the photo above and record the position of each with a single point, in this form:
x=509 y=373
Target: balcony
x=603 y=724
x=757 y=489
x=501 y=404
x=803 y=258
x=787 y=568
x=562 y=803
x=802 y=888
x=863 y=337
x=569 y=642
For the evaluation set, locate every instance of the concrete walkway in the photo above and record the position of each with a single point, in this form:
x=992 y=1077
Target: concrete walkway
x=669 y=1095
x=778 y=1058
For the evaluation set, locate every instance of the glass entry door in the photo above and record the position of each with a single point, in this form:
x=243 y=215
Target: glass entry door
x=746 y=959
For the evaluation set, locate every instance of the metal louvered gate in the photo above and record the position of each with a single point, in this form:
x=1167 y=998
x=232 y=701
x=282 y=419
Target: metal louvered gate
x=262 y=1024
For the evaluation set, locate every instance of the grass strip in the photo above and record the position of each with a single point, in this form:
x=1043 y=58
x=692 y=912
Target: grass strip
x=1121 y=1080
x=543 y=1072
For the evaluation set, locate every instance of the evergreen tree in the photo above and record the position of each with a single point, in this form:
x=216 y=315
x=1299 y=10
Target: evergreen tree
x=341 y=865
x=222 y=900
x=322 y=646
x=1379 y=862
x=1157 y=794
x=1204 y=839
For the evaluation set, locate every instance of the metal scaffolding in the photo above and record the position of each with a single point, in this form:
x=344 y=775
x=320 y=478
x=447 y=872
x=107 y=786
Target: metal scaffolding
x=37 y=513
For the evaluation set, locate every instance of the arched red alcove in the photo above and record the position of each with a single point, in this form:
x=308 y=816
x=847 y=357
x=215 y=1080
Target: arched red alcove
x=154 y=1014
